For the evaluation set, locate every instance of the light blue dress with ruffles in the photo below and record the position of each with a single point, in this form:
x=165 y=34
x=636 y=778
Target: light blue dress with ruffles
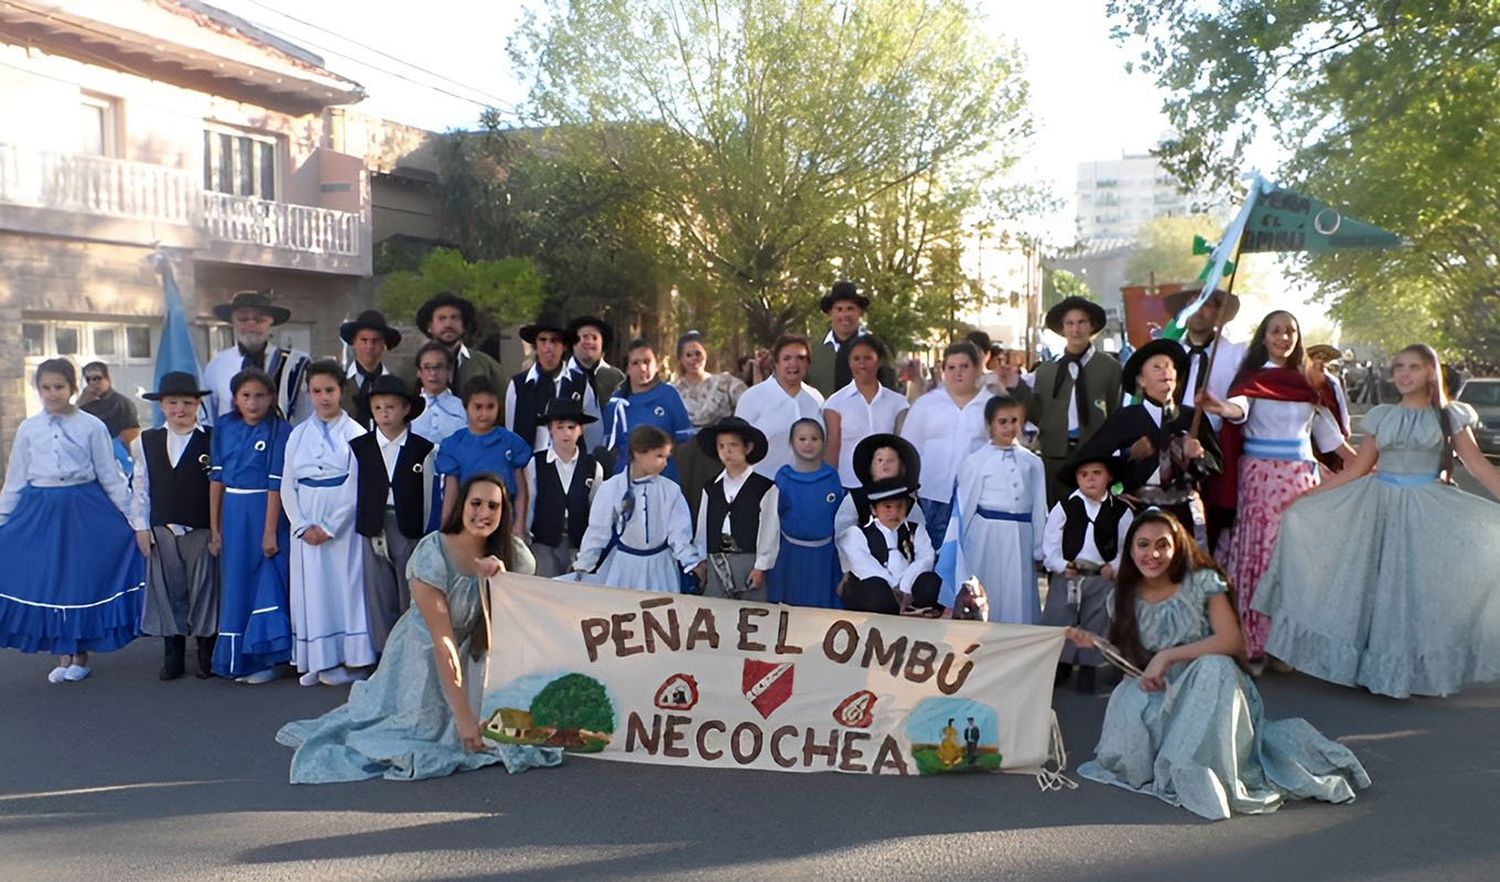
x=1390 y=582
x=1204 y=743
x=397 y=724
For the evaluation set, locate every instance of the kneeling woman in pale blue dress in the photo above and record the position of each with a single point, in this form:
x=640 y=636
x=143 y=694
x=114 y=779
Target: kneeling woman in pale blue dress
x=418 y=716
x=1191 y=730
x=1408 y=605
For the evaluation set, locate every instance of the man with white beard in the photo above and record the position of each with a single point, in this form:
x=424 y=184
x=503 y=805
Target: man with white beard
x=253 y=315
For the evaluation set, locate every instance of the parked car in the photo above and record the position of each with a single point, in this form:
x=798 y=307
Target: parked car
x=1483 y=394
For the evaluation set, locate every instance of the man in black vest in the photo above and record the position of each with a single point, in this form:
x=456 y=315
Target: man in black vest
x=563 y=479
x=548 y=379
x=890 y=558
x=1081 y=548
x=394 y=500
x=169 y=512
x=739 y=527
x=369 y=338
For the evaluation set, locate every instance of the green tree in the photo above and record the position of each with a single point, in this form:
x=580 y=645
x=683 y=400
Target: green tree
x=1059 y=284
x=1386 y=109
x=503 y=291
x=574 y=701
x=1164 y=253
x=773 y=139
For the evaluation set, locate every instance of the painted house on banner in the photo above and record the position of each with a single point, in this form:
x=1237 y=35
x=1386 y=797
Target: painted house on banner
x=131 y=124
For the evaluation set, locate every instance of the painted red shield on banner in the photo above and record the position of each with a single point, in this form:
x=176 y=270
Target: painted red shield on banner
x=768 y=685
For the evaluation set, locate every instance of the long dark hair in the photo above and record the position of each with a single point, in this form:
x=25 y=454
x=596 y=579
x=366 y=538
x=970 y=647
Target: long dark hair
x=1257 y=354
x=499 y=542
x=1187 y=555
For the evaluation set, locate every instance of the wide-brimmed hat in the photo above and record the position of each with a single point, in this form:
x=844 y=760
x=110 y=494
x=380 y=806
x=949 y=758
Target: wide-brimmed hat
x=1324 y=353
x=548 y=322
x=176 y=383
x=889 y=488
x=425 y=311
x=1137 y=361
x=864 y=452
x=390 y=384
x=258 y=300
x=370 y=320
x=1067 y=473
x=708 y=438
x=1097 y=316
x=567 y=409
x=592 y=321
x=843 y=290
x=1229 y=304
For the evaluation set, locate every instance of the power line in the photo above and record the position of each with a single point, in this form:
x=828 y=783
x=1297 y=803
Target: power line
x=490 y=100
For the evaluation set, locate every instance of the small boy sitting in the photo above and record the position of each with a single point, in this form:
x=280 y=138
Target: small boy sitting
x=1081 y=548
x=890 y=557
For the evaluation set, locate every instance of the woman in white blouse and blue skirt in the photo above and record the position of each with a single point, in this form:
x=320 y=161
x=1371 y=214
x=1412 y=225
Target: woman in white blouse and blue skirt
x=63 y=487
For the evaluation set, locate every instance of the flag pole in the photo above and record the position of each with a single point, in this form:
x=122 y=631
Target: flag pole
x=1218 y=338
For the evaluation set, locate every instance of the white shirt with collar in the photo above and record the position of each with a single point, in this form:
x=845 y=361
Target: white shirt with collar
x=1052 y=553
x=767 y=533
x=1030 y=380
x=390 y=451
x=944 y=435
x=860 y=418
x=58 y=450
x=768 y=407
x=898 y=571
x=1226 y=355
x=442 y=415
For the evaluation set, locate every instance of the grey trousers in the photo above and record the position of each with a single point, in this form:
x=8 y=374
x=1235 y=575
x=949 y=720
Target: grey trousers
x=1091 y=613
x=554 y=560
x=739 y=566
x=387 y=592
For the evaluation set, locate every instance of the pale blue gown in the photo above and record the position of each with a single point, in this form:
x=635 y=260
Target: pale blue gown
x=397 y=724
x=1204 y=742
x=1389 y=582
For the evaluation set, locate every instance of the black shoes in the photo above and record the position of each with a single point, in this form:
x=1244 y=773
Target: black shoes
x=206 y=657
x=175 y=658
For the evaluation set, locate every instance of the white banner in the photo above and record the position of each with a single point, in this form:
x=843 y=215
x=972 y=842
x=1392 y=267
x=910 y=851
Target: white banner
x=668 y=678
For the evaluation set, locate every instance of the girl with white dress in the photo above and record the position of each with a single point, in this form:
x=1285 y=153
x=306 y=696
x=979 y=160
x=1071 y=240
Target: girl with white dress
x=319 y=489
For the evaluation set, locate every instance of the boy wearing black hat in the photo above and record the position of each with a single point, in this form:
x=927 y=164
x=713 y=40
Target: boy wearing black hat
x=890 y=557
x=369 y=337
x=393 y=500
x=563 y=479
x=169 y=511
x=739 y=521
x=548 y=379
x=1081 y=547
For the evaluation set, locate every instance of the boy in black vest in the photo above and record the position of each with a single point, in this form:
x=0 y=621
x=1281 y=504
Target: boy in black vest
x=739 y=525
x=890 y=557
x=169 y=511
x=394 y=499
x=1081 y=548
x=563 y=479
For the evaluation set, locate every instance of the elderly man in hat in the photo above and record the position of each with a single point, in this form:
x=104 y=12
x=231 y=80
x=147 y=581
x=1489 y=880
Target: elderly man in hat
x=845 y=305
x=551 y=377
x=591 y=338
x=369 y=338
x=447 y=318
x=1201 y=342
x=1068 y=398
x=253 y=314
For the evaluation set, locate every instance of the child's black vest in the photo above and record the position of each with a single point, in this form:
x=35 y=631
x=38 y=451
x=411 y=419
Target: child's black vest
x=744 y=512
x=557 y=507
x=1106 y=527
x=408 y=489
x=881 y=551
x=179 y=495
x=532 y=398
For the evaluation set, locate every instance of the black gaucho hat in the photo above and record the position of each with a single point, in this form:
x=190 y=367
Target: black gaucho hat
x=1229 y=304
x=1137 y=362
x=708 y=438
x=548 y=321
x=567 y=409
x=890 y=488
x=176 y=383
x=864 y=453
x=592 y=321
x=370 y=320
x=390 y=384
x=425 y=311
x=258 y=300
x=1097 y=317
x=843 y=290
x=1067 y=473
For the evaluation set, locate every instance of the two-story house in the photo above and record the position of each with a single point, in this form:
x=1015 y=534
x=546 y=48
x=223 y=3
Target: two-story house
x=132 y=125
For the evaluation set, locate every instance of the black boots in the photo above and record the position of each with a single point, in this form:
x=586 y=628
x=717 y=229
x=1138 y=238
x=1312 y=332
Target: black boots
x=176 y=652
x=205 y=657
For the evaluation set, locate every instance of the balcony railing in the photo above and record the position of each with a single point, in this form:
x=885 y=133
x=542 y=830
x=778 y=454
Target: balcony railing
x=98 y=185
x=302 y=228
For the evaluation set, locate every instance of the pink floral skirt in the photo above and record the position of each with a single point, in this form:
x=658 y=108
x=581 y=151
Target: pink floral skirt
x=1267 y=487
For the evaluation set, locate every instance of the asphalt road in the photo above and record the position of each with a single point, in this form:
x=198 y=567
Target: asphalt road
x=124 y=777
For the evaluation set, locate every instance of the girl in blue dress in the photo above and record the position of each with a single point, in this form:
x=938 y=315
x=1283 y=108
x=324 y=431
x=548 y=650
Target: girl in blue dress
x=1192 y=730
x=484 y=446
x=75 y=579
x=807 y=570
x=249 y=533
x=644 y=400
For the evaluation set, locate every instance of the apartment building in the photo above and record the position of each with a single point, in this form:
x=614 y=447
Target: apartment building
x=128 y=126
x=1117 y=196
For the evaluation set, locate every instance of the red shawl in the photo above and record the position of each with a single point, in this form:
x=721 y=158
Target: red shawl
x=1274 y=384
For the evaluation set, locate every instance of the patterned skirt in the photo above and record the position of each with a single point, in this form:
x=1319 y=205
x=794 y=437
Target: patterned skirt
x=1266 y=488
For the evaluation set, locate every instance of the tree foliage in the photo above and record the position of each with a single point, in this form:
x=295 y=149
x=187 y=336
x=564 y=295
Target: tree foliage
x=1164 y=253
x=771 y=146
x=1386 y=109
x=504 y=291
x=574 y=701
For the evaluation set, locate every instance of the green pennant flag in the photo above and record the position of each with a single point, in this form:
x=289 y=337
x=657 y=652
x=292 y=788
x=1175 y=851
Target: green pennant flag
x=1285 y=220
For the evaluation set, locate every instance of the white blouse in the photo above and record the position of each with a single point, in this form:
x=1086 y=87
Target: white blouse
x=859 y=419
x=944 y=435
x=60 y=450
x=768 y=407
